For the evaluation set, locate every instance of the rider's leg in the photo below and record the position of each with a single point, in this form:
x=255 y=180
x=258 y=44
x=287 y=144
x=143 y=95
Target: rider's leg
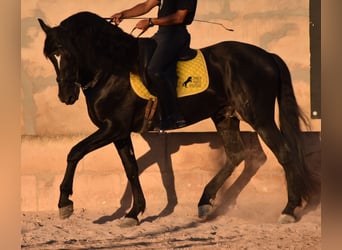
x=162 y=73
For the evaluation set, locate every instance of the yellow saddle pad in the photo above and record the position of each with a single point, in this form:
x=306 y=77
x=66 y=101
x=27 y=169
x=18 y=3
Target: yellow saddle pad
x=192 y=78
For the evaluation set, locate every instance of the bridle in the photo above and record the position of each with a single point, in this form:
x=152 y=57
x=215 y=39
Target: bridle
x=59 y=79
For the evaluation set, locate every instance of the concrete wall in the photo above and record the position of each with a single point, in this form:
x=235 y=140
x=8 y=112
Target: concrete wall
x=184 y=160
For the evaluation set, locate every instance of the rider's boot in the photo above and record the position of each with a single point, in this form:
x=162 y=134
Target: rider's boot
x=170 y=116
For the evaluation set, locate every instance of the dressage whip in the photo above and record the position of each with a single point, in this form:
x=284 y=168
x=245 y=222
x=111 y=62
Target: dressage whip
x=216 y=23
x=195 y=20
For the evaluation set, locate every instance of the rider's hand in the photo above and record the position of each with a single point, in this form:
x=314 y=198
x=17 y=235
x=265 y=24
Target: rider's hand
x=117 y=18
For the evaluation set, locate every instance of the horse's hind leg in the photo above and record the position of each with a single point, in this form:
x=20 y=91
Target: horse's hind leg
x=228 y=129
x=254 y=159
x=276 y=142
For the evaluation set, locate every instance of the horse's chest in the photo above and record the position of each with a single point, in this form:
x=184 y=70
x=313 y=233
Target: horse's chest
x=97 y=111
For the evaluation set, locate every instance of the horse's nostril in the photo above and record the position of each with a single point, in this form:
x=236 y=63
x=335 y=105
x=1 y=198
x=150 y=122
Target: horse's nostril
x=71 y=100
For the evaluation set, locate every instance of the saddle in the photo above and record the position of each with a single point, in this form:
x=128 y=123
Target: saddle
x=146 y=49
x=191 y=72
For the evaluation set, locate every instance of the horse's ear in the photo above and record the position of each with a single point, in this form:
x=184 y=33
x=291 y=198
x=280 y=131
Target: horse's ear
x=45 y=27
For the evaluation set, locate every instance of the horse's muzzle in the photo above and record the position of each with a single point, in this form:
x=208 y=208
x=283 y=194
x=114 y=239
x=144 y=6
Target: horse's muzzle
x=70 y=100
x=68 y=93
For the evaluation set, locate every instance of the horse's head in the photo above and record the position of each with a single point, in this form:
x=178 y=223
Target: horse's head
x=58 y=48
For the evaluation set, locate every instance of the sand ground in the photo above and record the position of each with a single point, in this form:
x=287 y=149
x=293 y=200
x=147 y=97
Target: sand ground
x=237 y=228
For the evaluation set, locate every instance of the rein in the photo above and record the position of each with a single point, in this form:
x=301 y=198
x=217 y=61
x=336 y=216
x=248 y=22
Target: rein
x=111 y=20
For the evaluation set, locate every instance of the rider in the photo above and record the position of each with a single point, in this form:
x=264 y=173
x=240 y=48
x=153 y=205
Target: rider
x=171 y=39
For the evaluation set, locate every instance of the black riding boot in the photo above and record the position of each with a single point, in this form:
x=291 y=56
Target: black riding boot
x=171 y=118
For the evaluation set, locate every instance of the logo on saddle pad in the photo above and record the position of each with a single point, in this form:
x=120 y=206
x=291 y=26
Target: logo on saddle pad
x=192 y=78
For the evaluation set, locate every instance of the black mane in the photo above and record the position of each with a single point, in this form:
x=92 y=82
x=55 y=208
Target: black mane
x=97 y=42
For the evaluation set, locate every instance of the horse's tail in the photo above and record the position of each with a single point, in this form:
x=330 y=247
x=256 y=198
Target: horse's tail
x=290 y=116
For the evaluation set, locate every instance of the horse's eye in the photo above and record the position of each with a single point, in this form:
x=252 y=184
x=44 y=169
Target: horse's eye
x=57 y=52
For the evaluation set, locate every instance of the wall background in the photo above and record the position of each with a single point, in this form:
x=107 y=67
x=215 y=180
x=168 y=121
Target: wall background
x=278 y=26
x=178 y=165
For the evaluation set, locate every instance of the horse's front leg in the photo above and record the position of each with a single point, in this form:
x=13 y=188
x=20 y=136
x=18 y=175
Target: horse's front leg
x=100 y=138
x=126 y=152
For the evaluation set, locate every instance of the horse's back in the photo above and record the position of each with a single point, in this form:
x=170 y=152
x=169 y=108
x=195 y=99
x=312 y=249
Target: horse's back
x=243 y=76
x=235 y=51
x=243 y=63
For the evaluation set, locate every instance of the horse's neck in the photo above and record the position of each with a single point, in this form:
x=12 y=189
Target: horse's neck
x=99 y=88
x=107 y=83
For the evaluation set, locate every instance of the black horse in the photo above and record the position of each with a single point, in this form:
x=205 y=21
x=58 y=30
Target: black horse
x=245 y=81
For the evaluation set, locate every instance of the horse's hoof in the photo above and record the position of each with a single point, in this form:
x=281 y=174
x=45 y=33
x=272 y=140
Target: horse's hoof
x=204 y=211
x=66 y=212
x=128 y=222
x=286 y=219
